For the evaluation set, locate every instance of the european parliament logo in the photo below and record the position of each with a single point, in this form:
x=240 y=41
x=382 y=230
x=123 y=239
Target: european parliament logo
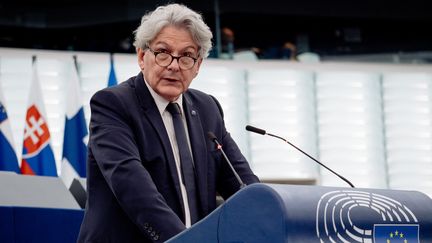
x=346 y=215
x=396 y=233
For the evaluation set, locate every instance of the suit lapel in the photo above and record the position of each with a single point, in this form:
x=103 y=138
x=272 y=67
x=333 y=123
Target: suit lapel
x=199 y=149
x=152 y=113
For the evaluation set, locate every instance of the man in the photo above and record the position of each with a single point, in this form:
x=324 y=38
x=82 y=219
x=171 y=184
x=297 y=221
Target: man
x=138 y=187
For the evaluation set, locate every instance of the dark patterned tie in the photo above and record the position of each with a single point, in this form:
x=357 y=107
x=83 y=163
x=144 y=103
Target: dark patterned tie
x=187 y=166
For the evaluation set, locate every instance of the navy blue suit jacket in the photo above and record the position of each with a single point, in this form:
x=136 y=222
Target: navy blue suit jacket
x=132 y=182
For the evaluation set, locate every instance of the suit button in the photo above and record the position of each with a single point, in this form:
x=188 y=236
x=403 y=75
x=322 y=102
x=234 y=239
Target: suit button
x=146 y=225
x=156 y=237
x=153 y=234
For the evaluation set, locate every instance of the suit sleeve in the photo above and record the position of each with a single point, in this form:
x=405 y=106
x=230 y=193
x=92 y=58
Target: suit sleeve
x=228 y=183
x=115 y=150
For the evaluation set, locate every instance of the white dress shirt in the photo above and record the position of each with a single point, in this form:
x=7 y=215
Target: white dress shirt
x=161 y=104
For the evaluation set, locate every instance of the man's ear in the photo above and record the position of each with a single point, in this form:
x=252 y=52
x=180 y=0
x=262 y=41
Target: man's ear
x=199 y=61
x=140 y=56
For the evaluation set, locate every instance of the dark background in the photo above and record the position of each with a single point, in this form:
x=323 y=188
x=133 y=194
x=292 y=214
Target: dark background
x=325 y=27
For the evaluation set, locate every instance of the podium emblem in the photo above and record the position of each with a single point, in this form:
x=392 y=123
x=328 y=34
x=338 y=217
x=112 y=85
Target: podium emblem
x=345 y=216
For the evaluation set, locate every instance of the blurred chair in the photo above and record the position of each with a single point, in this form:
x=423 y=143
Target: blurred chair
x=245 y=56
x=309 y=57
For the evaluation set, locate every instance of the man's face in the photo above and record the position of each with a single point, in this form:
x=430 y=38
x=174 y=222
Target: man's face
x=171 y=81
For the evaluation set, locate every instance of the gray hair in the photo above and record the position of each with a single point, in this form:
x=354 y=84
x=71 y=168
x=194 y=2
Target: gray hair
x=175 y=15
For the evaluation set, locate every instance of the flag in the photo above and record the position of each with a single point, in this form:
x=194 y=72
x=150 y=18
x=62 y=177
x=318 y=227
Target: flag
x=112 y=80
x=8 y=158
x=393 y=233
x=38 y=157
x=75 y=134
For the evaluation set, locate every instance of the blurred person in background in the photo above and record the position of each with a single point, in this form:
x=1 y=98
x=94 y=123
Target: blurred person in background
x=286 y=51
x=227 y=40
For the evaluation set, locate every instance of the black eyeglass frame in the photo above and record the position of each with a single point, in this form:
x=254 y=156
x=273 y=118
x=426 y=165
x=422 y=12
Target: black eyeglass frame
x=155 y=53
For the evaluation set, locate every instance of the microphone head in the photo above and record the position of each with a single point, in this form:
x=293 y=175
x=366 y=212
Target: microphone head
x=255 y=130
x=211 y=136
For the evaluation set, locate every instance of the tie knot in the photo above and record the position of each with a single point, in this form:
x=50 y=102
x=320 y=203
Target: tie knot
x=174 y=109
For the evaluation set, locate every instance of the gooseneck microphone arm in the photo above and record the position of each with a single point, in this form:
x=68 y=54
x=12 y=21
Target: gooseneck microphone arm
x=263 y=132
x=213 y=138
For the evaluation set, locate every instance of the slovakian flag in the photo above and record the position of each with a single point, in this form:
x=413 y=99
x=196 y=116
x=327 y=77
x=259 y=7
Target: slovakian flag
x=8 y=158
x=37 y=157
x=112 y=80
x=75 y=134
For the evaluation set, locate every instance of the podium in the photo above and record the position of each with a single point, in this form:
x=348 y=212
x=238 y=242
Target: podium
x=36 y=209
x=286 y=213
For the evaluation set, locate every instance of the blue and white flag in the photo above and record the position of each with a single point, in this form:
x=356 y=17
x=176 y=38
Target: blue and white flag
x=75 y=133
x=8 y=158
x=37 y=155
x=112 y=80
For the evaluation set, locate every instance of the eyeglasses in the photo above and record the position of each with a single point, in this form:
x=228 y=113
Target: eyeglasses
x=164 y=59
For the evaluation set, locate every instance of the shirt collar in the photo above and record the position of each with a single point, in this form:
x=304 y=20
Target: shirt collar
x=161 y=102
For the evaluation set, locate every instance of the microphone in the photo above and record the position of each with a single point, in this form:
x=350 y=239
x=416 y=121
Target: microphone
x=263 y=132
x=213 y=138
